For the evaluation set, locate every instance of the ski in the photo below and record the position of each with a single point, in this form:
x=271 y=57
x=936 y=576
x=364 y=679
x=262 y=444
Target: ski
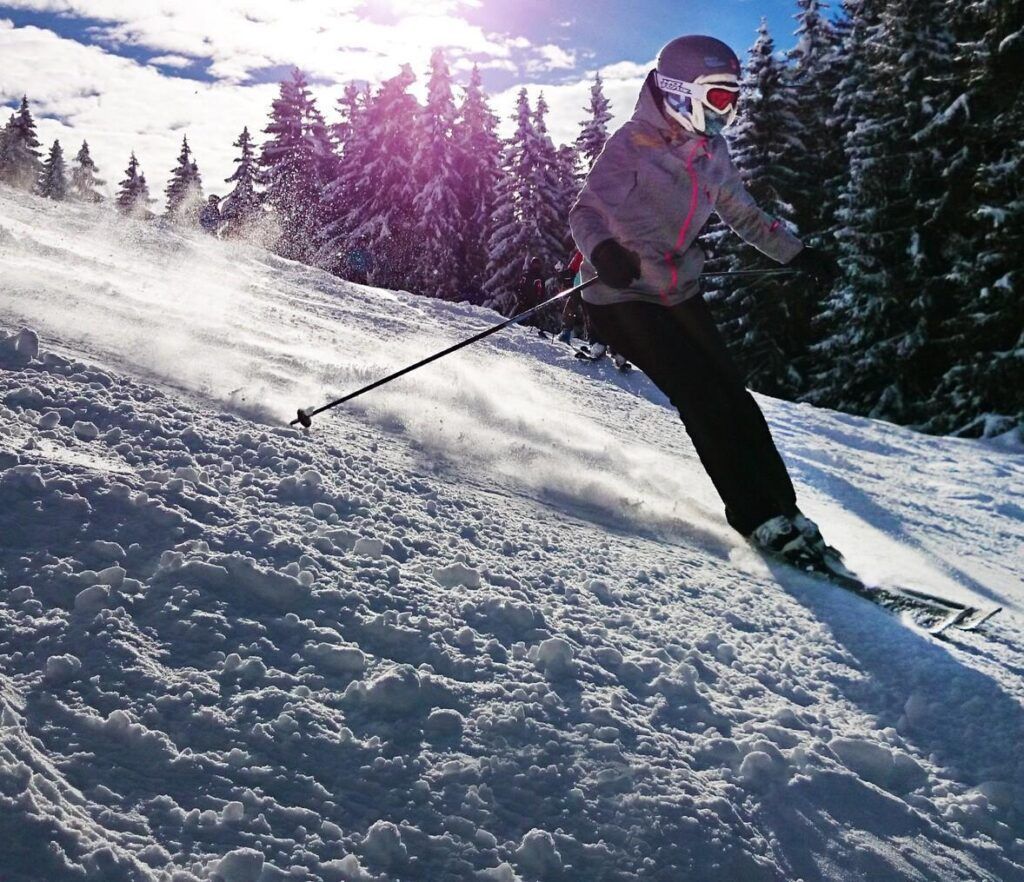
x=935 y=615
x=583 y=353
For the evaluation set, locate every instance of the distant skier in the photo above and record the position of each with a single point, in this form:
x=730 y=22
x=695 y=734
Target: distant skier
x=210 y=218
x=359 y=264
x=638 y=217
x=573 y=317
x=530 y=291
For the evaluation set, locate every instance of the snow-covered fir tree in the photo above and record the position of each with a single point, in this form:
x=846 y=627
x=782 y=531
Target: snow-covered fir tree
x=243 y=205
x=896 y=220
x=84 y=180
x=478 y=161
x=292 y=163
x=53 y=180
x=854 y=103
x=381 y=219
x=814 y=151
x=336 y=251
x=185 y=188
x=982 y=333
x=508 y=242
x=516 y=233
x=544 y=176
x=323 y=148
x=531 y=214
x=20 y=157
x=765 y=320
x=594 y=129
x=6 y=139
x=133 y=193
x=439 y=223
x=570 y=181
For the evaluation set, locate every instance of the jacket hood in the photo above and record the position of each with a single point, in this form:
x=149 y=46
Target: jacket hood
x=648 y=110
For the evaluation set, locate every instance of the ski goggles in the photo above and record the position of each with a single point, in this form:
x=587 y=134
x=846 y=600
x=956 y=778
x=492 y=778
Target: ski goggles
x=717 y=92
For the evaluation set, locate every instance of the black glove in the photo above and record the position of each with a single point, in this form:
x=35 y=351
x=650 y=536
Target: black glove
x=819 y=265
x=616 y=266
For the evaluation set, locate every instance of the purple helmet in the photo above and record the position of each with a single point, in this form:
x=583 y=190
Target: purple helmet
x=699 y=78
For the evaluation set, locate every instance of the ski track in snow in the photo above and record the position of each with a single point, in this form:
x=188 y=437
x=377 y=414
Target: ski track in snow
x=487 y=623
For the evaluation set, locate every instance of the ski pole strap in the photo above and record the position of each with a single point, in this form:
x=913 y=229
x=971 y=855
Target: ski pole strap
x=305 y=417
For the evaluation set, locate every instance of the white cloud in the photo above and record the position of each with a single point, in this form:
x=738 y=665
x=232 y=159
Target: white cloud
x=81 y=92
x=337 y=41
x=627 y=70
x=568 y=101
x=119 y=105
x=176 y=61
x=557 y=58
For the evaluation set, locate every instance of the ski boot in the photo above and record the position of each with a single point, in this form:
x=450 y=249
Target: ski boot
x=812 y=534
x=780 y=538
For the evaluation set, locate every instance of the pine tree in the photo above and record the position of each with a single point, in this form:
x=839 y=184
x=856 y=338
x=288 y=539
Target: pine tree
x=53 y=181
x=509 y=240
x=594 y=130
x=84 y=181
x=516 y=234
x=243 y=205
x=854 y=104
x=185 y=188
x=883 y=358
x=478 y=161
x=549 y=188
x=381 y=218
x=439 y=223
x=324 y=162
x=133 y=193
x=815 y=147
x=20 y=163
x=337 y=252
x=765 y=321
x=982 y=389
x=292 y=161
x=6 y=145
x=568 y=164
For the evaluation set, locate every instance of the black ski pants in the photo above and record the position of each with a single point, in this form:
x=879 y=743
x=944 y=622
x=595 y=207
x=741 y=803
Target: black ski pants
x=681 y=350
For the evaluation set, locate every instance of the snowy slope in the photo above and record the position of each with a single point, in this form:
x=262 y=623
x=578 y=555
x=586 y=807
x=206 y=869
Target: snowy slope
x=487 y=623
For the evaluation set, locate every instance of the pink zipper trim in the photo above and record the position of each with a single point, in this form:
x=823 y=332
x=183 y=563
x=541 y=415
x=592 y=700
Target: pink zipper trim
x=685 y=229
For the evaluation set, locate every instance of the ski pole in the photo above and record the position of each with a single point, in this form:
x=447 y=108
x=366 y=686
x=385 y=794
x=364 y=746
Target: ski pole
x=766 y=272
x=305 y=417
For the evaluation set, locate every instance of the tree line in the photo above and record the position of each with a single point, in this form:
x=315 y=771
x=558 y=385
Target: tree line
x=23 y=166
x=892 y=135
x=889 y=134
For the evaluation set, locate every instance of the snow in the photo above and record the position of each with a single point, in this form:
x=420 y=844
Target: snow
x=487 y=623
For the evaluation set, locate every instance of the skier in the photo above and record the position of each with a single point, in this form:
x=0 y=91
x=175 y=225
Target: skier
x=637 y=218
x=210 y=217
x=359 y=263
x=531 y=290
x=573 y=317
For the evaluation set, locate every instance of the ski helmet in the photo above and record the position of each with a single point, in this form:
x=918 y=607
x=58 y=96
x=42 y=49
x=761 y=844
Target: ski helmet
x=699 y=79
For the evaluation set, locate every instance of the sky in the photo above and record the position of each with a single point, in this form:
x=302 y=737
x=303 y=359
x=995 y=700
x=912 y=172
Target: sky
x=140 y=74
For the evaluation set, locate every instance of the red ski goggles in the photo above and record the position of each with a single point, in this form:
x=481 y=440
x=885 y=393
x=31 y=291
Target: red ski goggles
x=719 y=96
